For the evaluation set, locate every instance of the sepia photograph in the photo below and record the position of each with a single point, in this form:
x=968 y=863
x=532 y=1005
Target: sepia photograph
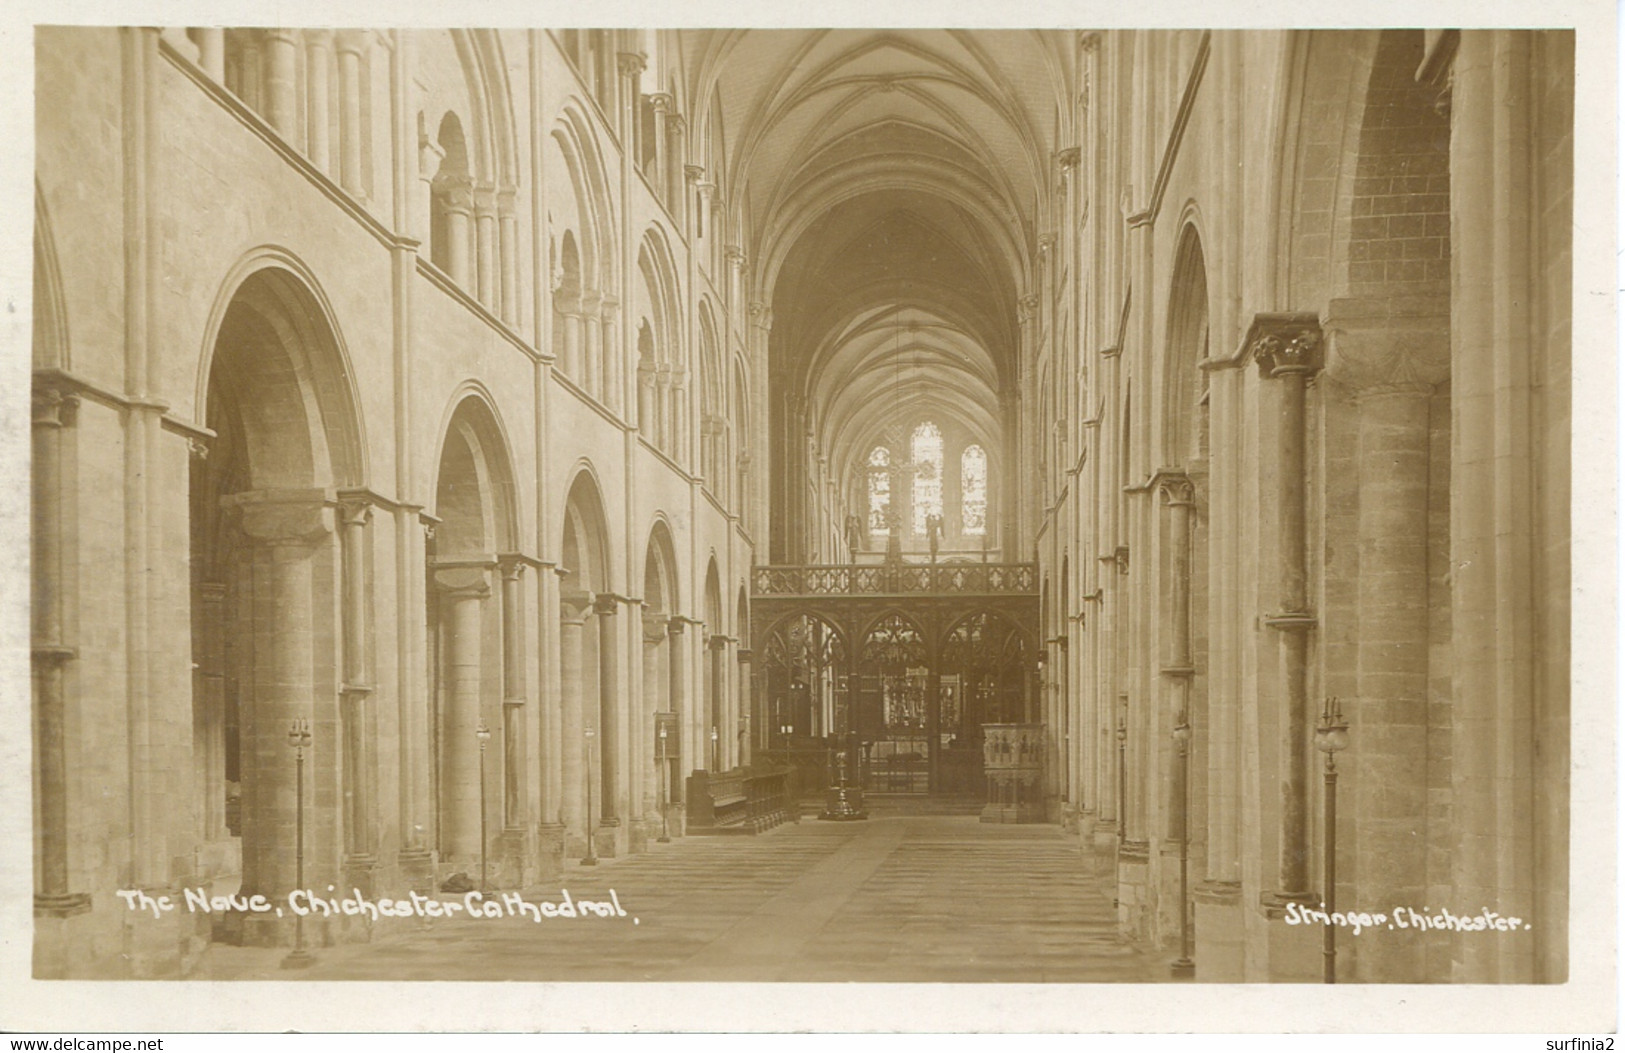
x=987 y=508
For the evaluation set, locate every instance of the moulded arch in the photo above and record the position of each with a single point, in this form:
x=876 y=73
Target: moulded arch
x=823 y=617
x=661 y=293
x=874 y=623
x=1011 y=626
x=1322 y=89
x=50 y=323
x=587 y=542
x=713 y=598
x=662 y=591
x=1185 y=343
x=271 y=301
x=476 y=497
x=584 y=165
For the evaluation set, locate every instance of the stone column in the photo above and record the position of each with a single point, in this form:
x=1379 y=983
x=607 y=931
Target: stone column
x=611 y=394
x=282 y=54
x=211 y=42
x=414 y=663
x=485 y=238
x=430 y=154
x=1179 y=501
x=590 y=375
x=508 y=244
x=745 y=706
x=513 y=694
x=209 y=738
x=610 y=732
x=647 y=423
x=568 y=314
x=678 y=421
x=287 y=529
x=52 y=414
x=1511 y=157
x=253 y=70
x=550 y=732
x=735 y=257
x=1390 y=353
x=661 y=176
x=742 y=502
x=655 y=630
x=677 y=178
x=663 y=429
x=678 y=701
x=1287 y=347
x=352 y=45
x=708 y=212
x=318 y=52
x=716 y=715
x=574 y=610
x=357 y=689
x=459 y=219
x=630 y=65
x=463 y=592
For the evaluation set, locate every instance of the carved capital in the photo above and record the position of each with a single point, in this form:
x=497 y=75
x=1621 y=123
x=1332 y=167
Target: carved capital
x=734 y=254
x=462 y=582
x=1437 y=71
x=1027 y=308
x=511 y=566
x=1388 y=344
x=631 y=64
x=1285 y=344
x=716 y=641
x=694 y=173
x=353 y=41
x=1068 y=159
x=355 y=511
x=283 y=517
x=661 y=101
x=655 y=628
x=575 y=606
x=1089 y=40
x=745 y=655
x=52 y=408
x=1176 y=489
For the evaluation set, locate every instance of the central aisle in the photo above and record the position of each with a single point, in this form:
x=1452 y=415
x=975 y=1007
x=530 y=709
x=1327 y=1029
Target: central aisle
x=917 y=898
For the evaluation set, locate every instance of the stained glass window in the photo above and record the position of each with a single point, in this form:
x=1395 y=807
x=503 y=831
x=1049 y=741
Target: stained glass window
x=879 y=489
x=926 y=453
x=973 y=490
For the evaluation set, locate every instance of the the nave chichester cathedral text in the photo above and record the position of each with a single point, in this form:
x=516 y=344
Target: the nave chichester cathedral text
x=459 y=455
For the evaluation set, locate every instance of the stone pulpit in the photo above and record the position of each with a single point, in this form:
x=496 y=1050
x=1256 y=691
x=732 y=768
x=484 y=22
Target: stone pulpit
x=1013 y=759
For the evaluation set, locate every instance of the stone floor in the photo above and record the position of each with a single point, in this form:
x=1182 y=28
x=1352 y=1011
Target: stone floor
x=899 y=897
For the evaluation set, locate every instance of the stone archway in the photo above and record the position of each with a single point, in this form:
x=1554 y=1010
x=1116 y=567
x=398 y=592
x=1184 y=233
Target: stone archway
x=657 y=739
x=478 y=719
x=593 y=794
x=278 y=568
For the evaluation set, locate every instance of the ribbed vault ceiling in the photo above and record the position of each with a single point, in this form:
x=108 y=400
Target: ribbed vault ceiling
x=891 y=182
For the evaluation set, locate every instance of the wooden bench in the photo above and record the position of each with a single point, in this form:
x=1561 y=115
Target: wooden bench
x=742 y=801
